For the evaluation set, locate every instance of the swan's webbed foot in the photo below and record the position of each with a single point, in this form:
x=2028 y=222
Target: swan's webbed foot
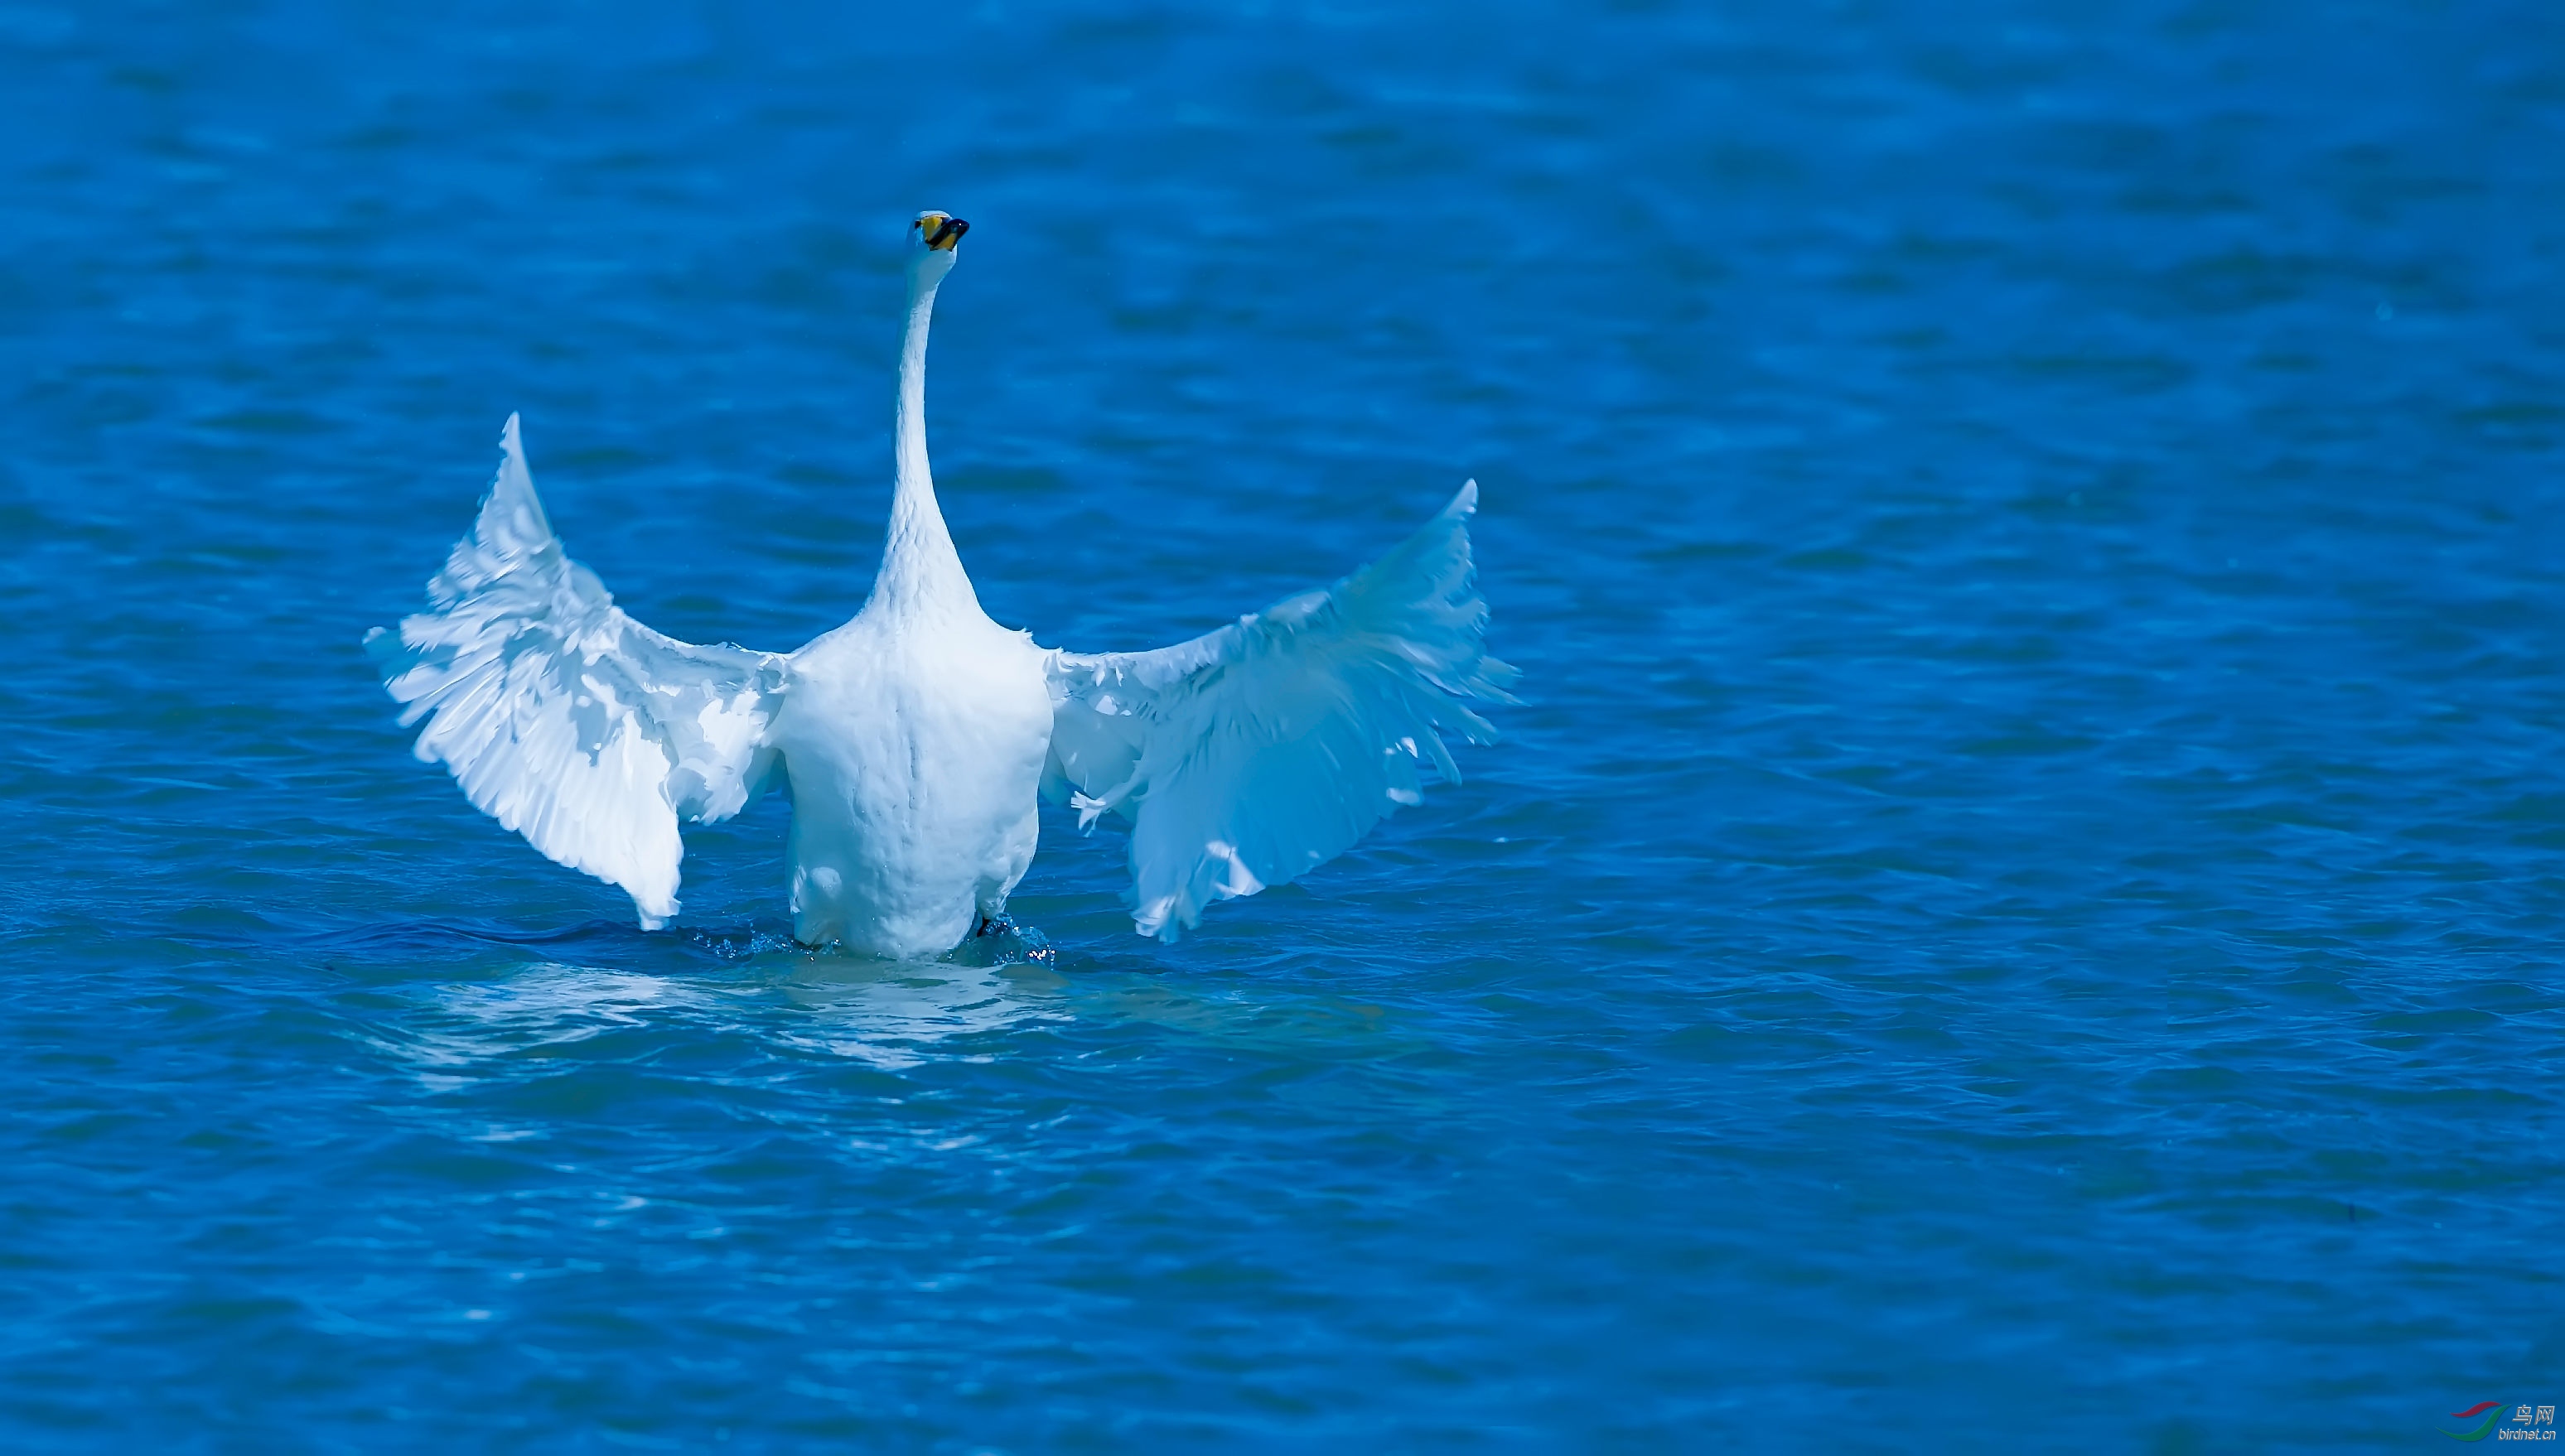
x=999 y=940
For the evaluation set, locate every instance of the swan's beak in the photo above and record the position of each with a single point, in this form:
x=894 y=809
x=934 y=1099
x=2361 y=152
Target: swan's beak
x=940 y=231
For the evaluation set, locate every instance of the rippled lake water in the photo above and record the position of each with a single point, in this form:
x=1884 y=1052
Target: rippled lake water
x=2021 y=911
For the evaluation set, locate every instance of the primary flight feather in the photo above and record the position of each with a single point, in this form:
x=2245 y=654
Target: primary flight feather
x=918 y=739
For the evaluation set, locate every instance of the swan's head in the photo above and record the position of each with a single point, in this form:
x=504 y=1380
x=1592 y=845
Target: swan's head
x=932 y=242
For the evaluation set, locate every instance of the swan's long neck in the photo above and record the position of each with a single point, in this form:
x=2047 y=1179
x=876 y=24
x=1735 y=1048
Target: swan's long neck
x=919 y=566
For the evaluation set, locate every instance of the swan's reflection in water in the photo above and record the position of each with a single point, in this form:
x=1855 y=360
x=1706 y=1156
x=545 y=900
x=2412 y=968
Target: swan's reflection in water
x=892 y=1014
x=543 y=1008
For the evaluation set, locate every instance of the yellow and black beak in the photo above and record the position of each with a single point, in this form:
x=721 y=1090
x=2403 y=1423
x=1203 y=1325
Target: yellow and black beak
x=940 y=230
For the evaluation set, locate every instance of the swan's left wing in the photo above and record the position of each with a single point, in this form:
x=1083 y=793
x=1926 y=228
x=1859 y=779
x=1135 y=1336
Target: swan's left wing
x=1255 y=754
x=565 y=720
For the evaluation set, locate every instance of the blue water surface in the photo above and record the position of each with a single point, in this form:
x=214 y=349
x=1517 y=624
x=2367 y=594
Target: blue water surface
x=2020 y=911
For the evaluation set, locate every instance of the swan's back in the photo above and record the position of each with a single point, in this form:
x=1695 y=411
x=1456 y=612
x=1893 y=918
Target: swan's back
x=914 y=746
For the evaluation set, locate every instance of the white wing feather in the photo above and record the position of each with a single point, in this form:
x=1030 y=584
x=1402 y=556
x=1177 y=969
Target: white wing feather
x=567 y=721
x=1252 y=754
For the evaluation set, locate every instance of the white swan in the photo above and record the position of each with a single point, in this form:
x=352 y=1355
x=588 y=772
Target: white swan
x=915 y=740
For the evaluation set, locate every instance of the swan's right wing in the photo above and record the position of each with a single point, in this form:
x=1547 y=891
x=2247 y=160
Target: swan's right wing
x=567 y=721
x=1255 y=754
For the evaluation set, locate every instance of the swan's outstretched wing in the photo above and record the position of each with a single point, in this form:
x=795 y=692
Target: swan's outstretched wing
x=1251 y=755
x=564 y=718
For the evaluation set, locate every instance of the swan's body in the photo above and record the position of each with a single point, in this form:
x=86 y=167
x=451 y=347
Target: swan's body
x=915 y=739
x=918 y=739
